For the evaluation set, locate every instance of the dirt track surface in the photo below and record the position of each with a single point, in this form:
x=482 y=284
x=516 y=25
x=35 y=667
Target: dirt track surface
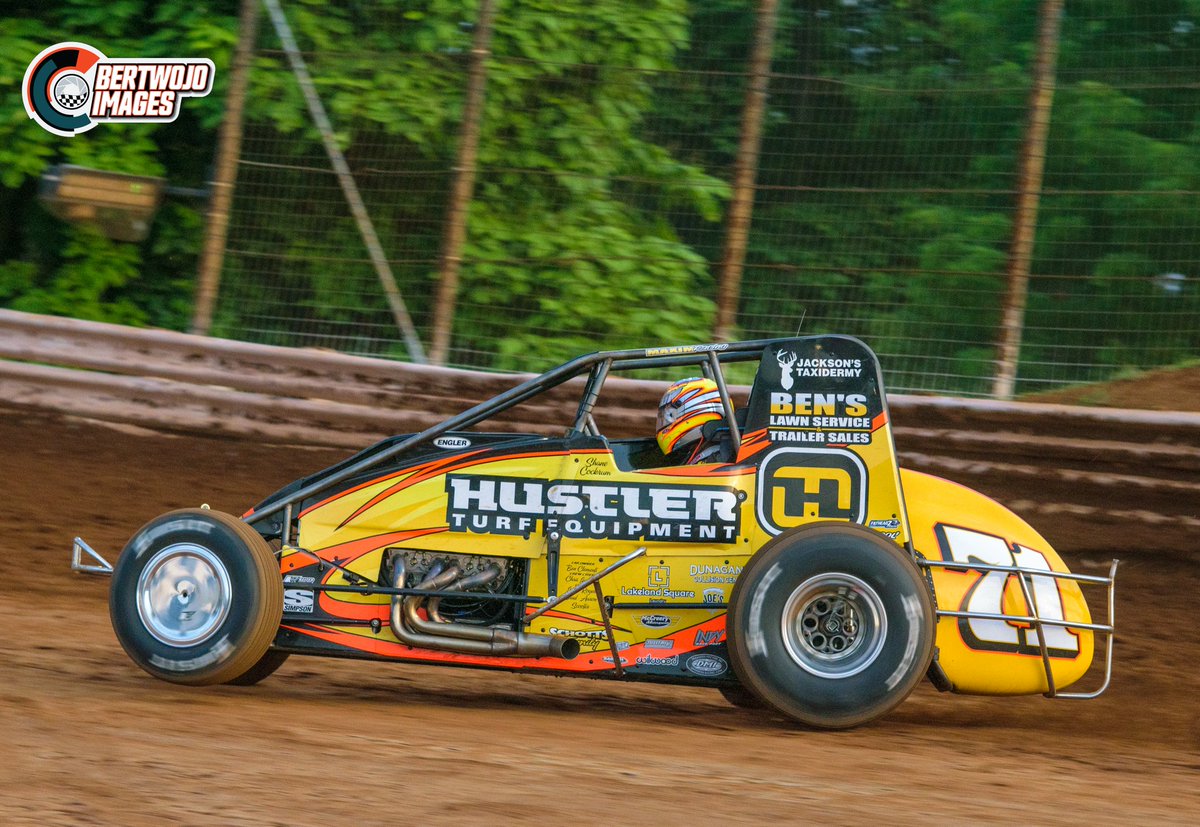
x=87 y=738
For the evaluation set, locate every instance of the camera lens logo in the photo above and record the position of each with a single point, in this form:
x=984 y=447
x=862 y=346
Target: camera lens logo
x=71 y=91
x=58 y=85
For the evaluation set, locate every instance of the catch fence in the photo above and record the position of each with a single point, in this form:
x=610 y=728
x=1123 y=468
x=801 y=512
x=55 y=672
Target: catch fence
x=999 y=198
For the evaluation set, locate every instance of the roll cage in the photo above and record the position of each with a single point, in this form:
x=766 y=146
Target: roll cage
x=597 y=366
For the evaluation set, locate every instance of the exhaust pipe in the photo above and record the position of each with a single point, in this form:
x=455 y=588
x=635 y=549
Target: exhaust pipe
x=410 y=628
x=471 y=581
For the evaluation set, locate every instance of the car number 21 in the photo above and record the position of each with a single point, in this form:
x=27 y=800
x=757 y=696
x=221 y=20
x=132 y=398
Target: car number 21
x=986 y=595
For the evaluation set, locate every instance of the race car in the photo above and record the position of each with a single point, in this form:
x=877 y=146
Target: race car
x=796 y=568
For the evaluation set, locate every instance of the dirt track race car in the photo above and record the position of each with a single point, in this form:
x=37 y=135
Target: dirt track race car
x=798 y=569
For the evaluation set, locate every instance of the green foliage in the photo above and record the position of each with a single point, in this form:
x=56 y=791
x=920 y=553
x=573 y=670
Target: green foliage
x=53 y=267
x=609 y=132
x=568 y=247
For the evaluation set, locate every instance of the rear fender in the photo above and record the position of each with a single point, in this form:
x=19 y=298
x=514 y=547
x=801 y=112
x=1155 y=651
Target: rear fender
x=987 y=642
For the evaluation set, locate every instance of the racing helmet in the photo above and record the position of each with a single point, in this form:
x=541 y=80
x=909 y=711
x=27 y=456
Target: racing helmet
x=684 y=408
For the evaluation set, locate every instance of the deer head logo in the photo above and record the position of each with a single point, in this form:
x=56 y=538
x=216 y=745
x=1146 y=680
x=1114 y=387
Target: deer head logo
x=787 y=361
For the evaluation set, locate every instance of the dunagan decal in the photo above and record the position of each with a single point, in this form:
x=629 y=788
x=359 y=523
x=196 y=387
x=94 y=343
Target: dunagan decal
x=593 y=510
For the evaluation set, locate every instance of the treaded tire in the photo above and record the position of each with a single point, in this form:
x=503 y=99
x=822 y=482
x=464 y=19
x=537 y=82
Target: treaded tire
x=831 y=625
x=196 y=598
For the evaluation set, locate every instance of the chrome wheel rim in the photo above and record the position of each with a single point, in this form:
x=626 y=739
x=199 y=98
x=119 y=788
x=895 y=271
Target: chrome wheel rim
x=834 y=625
x=183 y=594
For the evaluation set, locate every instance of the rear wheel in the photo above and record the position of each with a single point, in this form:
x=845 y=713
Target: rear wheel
x=740 y=696
x=831 y=625
x=196 y=598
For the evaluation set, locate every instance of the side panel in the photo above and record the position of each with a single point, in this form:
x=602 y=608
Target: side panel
x=698 y=526
x=415 y=508
x=819 y=430
x=984 y=656
x=697 y=522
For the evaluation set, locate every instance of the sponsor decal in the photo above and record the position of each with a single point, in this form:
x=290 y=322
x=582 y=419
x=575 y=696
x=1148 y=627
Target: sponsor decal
x=714 y=573
x=583 y=633
x=593 y=510
x=833 y=418
x=658 y=576
x=791 y=368
x=656 y=621
x=298 y=578
x=888 y=528
x=71 y=87
x=452 y=442
x=652 y=660
x=707 y=665
x=670 y=351
x=660 y=592
x=714 y=595
x=708 y=637
x=590 y=640
x=698 y=569
x=298 y=601
x=797 y=485
x=595 y=467
x=659 y=643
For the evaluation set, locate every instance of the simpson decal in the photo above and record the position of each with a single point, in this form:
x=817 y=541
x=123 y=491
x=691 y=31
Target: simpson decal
x=593 y=510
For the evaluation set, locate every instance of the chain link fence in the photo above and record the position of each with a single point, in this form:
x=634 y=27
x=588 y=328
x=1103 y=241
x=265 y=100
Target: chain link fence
x=587 y=175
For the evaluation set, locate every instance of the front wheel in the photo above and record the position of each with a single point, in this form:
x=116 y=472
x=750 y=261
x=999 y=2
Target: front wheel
x=831 y=625
x=196 y=598
x=265 y=667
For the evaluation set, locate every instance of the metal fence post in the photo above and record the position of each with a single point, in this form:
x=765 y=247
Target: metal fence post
x=464 y=185
x=229 y=147
x=1029 y=186
x=337 y=160
x=741 y=204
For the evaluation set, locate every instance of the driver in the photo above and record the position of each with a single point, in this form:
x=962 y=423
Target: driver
x=685 y=408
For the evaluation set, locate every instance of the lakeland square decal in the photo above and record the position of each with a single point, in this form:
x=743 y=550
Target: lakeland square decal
x=593 y=510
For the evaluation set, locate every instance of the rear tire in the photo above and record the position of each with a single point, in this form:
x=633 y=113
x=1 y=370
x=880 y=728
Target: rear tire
x=740 y=696
x=831 y=625
x=196 y=598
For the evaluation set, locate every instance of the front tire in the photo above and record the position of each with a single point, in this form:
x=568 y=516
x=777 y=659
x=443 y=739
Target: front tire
x=265 y=667
x=196 y=598
x=831 y=625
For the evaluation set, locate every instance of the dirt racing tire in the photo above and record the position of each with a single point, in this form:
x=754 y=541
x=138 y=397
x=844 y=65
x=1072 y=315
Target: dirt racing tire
x=196 y=598
x=831 y=625
x=265 y=667
x=740 y=696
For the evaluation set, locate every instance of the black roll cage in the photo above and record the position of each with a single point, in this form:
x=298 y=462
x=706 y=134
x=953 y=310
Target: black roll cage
x=598 y=365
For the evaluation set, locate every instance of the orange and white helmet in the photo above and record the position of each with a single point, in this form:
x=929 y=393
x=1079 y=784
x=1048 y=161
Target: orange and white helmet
x=687 y=405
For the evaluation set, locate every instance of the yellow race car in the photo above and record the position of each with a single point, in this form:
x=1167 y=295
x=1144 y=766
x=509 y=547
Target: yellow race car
x=795 y=566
